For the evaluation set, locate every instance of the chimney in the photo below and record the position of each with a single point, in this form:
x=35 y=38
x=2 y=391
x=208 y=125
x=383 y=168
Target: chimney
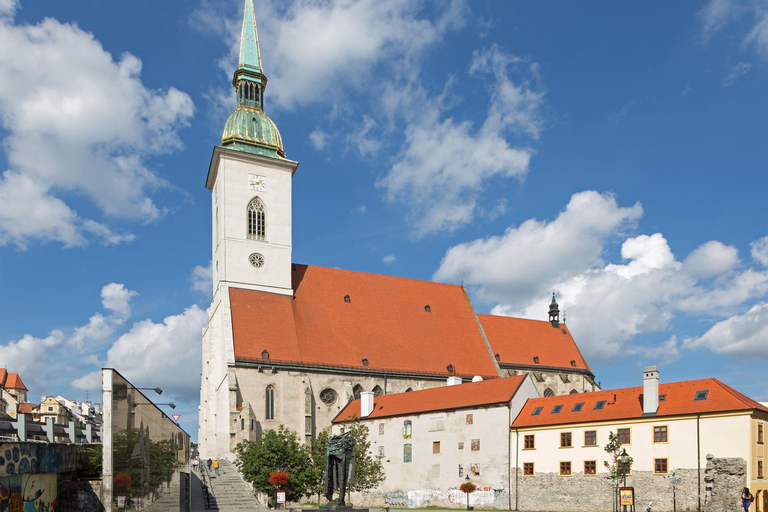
x=366 y=403
x=650 y=390
x=453 y=380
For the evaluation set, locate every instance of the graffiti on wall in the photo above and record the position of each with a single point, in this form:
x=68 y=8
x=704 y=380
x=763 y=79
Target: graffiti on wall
x=21 y=458
x=28 y=493
x=483 y=496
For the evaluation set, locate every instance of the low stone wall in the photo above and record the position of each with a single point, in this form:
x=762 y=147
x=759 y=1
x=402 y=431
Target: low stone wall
x=724 y=479
x=440 y=498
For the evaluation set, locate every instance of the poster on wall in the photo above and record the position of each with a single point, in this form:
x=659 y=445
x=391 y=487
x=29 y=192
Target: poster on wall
x=121 y=502
x=627 y=496
x=281 y=496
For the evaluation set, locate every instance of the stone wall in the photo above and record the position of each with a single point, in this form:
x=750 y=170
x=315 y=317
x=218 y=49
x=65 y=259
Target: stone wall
x=724 y=479
x=577 y=493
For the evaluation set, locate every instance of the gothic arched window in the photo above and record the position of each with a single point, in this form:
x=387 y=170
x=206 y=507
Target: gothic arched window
x=407 y=429
x=257 y=220
x=356 y=391
x=377 y=391
x=549 y=392
x=270 y=403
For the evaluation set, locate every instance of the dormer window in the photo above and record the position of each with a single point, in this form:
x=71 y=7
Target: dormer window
x=265 y=355
x=497 y=356
x=701 y=395
x=365 y=361
x=347 y=299
x=536 y=411
x=573 y=363
x=599 y=405
x=427 y=308
x=449 y=368
x=556 y=409
x=535 y=359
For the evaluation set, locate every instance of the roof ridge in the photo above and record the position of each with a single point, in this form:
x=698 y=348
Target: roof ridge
x=336 y=269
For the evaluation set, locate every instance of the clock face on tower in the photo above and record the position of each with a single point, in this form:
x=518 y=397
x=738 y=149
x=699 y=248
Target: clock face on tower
x=256 y=182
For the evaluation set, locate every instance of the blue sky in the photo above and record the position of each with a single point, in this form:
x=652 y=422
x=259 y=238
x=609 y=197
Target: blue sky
x=615 y=152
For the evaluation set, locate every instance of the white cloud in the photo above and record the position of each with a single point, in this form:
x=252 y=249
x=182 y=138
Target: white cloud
x=200 y=278
x=55 y=81
x=319 y=139
x=608 y=304
x=760 y=251
x=711 y=259
x=116 y=299
x=31 y=357
x=529 y=259
x=736 y=71
x=164 y=354
x=445 y=164
x=665 y=353
x=740 y=336
x=8 y=7
x=311 y=50
x=389 y=259
x=717 y=14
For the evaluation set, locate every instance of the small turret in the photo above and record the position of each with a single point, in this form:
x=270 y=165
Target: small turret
x=554 y=312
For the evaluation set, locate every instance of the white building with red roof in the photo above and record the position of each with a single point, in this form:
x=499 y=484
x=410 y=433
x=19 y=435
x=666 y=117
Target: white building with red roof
x=12 y=392
x=431 y=441
x=702 y=431
x=292 y=344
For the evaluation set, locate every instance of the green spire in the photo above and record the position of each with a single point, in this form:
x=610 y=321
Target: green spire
x=250 y=57
x=248 y=128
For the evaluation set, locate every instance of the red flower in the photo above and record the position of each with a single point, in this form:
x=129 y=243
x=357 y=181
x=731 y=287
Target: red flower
x=468 y=487
x=278 y=478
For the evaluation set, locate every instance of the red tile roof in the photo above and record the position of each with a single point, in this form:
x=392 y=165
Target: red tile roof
x=474 y=394
x=386 y=323
x=519 y=340
x=627 y=403
x=14 y=382
x=27 y=408
x=3 y=376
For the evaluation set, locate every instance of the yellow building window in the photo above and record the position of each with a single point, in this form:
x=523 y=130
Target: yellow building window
x=660 y=466
x=660 y=434
x=565 y=440
x=528 y=468
x=529 y=442
x=565 y=468
x=590 y=467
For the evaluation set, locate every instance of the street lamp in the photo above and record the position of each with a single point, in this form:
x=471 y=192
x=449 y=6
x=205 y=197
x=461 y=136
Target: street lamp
x=156 y=390
x=467 y=481
x=169 y=404
x=624 y=460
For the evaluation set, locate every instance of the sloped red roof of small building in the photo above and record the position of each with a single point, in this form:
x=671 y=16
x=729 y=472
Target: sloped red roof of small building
x=396 y=324
x=519 y=340
x=3 y=376
x=627 y=403
x=27 y=408
x=444 y=398
x=13 y=381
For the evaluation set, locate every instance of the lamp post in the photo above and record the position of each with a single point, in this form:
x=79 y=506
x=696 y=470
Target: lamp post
x=467 y=481
x=624 y=460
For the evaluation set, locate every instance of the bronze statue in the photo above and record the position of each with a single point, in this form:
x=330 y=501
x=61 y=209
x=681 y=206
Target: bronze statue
x=339 y=466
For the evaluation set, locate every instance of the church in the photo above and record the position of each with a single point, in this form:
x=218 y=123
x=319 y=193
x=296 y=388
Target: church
x=292 y=344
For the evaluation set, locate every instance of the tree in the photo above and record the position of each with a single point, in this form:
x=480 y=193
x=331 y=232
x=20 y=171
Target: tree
x=318 y=461
x=616 y=470
x=278 y=450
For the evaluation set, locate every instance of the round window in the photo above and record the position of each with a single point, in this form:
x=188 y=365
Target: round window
x=328 y=396
x=256 y=259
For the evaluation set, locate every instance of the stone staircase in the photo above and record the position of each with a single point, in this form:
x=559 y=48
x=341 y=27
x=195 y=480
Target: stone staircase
x=229 y=492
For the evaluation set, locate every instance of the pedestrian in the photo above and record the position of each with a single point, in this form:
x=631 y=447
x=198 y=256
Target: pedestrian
x=216 y=467
x=210 y=462
x=194 y=465
x=746 y=499
x=650 y=506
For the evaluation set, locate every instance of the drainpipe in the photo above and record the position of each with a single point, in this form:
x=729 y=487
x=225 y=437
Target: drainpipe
x=698 y=456
x=509 y=456
x=517 y=472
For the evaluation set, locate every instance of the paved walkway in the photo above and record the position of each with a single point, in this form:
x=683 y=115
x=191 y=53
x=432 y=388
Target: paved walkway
x=228 y=492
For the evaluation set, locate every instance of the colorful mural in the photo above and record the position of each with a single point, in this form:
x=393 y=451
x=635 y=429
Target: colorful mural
x=29 y=493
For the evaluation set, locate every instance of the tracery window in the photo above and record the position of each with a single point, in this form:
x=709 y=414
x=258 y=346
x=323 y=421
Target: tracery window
x=257 y=219
x=549 y=392
x=377 y=391
x=356 y=391
x=270 y=403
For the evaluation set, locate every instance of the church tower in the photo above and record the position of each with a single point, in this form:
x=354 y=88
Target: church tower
x=250 y=181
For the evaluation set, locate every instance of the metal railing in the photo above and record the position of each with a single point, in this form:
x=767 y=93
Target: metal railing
x=24 y=429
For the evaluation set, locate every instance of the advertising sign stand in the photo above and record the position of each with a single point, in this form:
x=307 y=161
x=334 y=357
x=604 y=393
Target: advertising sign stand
x=627 y=498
